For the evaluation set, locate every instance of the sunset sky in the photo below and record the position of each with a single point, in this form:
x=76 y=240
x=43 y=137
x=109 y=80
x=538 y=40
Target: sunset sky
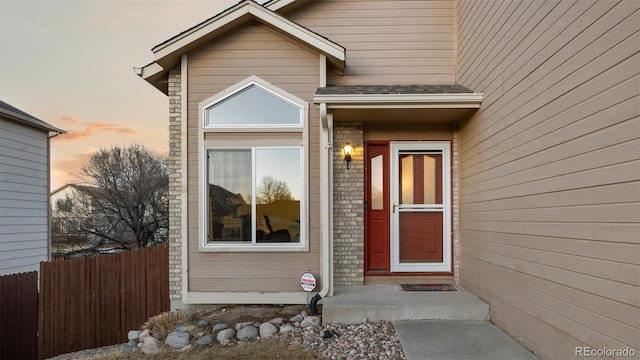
x=70 y=63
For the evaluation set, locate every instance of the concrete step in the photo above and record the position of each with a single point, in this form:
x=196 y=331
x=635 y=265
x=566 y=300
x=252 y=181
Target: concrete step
x=352 y=304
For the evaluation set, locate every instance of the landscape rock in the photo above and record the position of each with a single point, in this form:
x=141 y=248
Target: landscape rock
x=286 y=328
x=133 y=335
x=150 y=345
x=247 y=333
x=220 y=326
x=203 y=323
x=277 y=321
x=304 y=314
x=177 y=339
x=143 y=334
x=182 y=328
x=267 y=329
x=243 y=324
x=205 y=340
x=296 y=318
x=310 y=321
x=225 y=335
x=186 y=348
x=131 y=346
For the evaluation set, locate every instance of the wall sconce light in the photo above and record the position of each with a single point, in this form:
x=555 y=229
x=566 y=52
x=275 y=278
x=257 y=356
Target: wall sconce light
x=347 y=153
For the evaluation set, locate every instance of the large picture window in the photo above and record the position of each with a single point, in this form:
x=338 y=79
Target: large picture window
x=254 y=196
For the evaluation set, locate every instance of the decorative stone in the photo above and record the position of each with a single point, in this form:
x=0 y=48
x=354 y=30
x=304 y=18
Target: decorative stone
x=310 y=321
x=225 y=335
x=182 y=328
x=203 y=323
x=131 y=346
x=133 y=334
x=150 y=345
x=205 y=340
x=304 y=314
x=247 y=333
x=143 y=334
x=286 y=328
x=277 y=321
x=186 y=348
x=220 y=326
x=177 y=339
x=296 y=318
x=243 y=324
x=267 y=329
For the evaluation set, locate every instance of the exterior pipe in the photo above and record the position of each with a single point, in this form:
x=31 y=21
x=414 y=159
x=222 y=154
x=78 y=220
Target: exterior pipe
x=325 y=214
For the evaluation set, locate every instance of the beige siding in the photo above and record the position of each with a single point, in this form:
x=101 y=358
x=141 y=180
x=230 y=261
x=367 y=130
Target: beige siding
x=387 y=42
x=550 y=187
x=252 y=50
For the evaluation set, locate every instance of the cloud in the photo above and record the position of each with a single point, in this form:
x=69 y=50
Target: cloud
x=90 y=130
x=64 y=118
x=67 y=170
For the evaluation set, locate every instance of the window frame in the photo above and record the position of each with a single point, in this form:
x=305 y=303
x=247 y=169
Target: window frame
x=229 y=137
x=262 y=85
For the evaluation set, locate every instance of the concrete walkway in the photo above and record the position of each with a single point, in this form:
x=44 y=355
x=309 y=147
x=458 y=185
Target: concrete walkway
x=457 y=340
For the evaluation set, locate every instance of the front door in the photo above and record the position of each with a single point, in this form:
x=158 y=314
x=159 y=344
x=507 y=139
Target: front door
x=377 y=248
x=420 y=196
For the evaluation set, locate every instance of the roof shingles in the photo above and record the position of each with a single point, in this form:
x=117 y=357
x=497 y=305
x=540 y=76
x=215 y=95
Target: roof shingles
x=392 y=89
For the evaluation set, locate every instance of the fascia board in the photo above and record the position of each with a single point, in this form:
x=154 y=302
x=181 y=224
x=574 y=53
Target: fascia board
x=150 y=70
x=471 y=100
x=235 y=14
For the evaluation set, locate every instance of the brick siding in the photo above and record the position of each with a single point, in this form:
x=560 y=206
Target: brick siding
x=348 y=206
x=175 y=184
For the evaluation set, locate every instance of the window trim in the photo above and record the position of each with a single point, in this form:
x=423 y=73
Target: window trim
x=219 y=138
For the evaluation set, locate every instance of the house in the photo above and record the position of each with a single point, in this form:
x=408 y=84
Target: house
x=24 y=190
x=491 y=144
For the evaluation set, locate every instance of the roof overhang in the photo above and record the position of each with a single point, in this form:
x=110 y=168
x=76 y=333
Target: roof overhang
x=374 y=103
x=167 y=54
x=413 y=101
x=20 y=116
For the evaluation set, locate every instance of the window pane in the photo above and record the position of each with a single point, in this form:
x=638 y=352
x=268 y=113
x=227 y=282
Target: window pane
x=229 y=195
x=278 y=194
x=254 y=106
x=377 y=177
x=421 y=178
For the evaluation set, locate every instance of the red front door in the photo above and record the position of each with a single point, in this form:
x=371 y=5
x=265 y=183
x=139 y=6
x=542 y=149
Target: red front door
x=377 y=253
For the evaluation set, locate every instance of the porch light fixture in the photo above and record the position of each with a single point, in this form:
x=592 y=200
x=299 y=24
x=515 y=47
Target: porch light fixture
x=347 y=153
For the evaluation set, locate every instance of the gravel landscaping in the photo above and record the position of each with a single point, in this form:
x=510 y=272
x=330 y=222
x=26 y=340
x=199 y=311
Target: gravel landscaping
x=229 y=327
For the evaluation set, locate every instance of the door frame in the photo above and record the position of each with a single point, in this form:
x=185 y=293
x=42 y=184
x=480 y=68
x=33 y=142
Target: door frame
x=395 y=208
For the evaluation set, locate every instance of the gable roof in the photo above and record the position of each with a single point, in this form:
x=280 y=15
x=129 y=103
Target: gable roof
x=167 y=54
x=16 y=114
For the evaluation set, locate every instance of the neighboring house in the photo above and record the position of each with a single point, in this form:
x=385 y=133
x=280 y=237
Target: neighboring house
x=24 y=190
x=494 y=145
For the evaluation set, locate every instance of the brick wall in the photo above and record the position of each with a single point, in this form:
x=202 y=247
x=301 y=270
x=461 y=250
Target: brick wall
x=348 y=206
x=175 y=184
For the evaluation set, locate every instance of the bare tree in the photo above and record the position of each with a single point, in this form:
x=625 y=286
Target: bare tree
x=126 y=201
x=271 y=189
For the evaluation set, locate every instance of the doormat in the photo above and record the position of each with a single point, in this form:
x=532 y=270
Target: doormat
x=428 y=287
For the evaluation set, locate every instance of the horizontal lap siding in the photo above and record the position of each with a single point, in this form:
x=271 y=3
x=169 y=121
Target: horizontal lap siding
x=23 y=197
x=386 y=42
x=550 y=187
x=252 y=50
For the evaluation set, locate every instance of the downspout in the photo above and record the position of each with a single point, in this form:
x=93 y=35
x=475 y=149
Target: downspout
x=325 y=208
x=49 y=137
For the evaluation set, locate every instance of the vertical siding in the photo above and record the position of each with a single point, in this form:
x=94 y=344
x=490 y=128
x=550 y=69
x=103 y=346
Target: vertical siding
x=24 y=229
x=387 y=42
x=252 y=50
x=550 y=187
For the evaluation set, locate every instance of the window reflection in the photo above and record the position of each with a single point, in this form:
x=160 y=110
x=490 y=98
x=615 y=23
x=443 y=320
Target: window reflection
x=276 y=195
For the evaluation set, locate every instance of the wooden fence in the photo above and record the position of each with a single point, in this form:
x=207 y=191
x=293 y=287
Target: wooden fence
x=19 y=316
x=93 y=302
